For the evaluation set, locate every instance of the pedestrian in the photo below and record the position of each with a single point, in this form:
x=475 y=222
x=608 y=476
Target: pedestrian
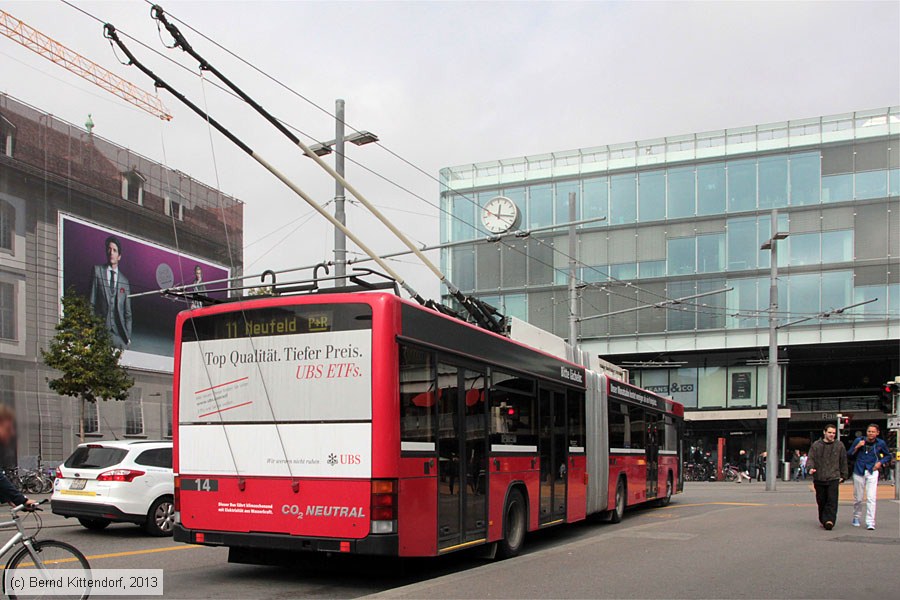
x=8 y=492
x=803 y=458
x=743 y=467
x=872 y=456
x=761 y=466
x=795 y=465
x=827 y=463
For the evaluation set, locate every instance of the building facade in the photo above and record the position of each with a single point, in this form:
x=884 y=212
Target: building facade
x=65 y=194
x=686 y=215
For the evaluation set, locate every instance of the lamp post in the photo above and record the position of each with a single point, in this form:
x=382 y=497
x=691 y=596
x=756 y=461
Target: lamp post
x=773 y=460
x=359 y=138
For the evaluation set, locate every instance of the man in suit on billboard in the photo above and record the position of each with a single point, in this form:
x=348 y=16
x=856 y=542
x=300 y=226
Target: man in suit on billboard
x=110 y=292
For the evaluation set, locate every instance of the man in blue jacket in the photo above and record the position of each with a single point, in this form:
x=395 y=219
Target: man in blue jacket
x=872 y=455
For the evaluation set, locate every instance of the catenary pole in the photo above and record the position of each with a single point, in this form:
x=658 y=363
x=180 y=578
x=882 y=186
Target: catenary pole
x=573 y=267
x=340 y=240
x=772 y=458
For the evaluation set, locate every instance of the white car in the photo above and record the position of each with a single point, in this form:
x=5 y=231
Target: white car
x=122 y=481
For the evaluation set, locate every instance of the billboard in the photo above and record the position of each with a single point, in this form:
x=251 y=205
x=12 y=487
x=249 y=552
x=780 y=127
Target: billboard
x=107 y=267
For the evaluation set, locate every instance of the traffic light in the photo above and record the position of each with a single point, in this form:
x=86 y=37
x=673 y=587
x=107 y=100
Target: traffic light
x=886 y=401
x=845 y=421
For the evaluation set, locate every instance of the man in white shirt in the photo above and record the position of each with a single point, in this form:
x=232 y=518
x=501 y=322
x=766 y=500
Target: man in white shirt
x=110 y=292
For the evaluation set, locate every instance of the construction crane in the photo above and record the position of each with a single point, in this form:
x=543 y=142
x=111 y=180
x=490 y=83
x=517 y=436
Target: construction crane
x=85 y=68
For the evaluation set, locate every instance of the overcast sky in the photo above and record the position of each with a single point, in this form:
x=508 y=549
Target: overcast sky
x=444 y=84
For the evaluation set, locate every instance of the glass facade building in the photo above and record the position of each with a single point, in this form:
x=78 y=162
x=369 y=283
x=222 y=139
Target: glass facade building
x=686 y=215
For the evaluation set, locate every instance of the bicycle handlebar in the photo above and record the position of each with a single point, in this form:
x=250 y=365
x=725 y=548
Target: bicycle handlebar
x=23 y=507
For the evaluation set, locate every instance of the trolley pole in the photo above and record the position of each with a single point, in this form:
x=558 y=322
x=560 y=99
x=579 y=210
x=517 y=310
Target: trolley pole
x=573 y=277
x=340 y=240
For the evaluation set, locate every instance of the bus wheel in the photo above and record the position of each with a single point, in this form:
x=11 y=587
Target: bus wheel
x=616 y=514
x=669 y=489
x=514 y=525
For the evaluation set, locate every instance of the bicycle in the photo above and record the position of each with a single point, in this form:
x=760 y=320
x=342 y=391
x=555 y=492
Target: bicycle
x=730 y=473
x=43 y=555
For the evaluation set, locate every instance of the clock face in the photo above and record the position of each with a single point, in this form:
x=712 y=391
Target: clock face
x=500 y=215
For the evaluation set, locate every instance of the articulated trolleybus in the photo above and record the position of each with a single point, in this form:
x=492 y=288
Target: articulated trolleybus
x=365 y=423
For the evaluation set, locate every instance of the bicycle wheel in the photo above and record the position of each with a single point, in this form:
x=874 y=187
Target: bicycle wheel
x=47 y=485
x=53 y=556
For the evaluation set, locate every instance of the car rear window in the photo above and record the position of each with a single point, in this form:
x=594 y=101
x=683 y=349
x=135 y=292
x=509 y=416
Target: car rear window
x=95 y=457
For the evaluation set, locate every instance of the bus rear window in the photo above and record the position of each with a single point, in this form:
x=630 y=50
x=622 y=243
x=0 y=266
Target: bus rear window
x=277 y=321
x=95 y=457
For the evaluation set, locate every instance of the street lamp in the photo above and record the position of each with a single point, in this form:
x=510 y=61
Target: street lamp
x=358 y=138
x=773 y=460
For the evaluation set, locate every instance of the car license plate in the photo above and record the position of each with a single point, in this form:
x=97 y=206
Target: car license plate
x=78 y=484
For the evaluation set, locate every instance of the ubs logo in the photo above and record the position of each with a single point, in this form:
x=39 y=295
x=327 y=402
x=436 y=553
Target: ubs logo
x=344 y=459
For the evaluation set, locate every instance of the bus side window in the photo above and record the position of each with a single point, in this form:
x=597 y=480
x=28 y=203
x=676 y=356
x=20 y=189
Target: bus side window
x=619 y=425
x=575 y=412
x=417 y=395
x=513 y=412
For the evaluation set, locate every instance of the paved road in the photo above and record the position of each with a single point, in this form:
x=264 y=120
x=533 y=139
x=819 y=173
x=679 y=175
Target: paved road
x=716 y=540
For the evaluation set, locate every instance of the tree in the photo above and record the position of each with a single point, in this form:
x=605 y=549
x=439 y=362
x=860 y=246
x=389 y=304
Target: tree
x=82 y=351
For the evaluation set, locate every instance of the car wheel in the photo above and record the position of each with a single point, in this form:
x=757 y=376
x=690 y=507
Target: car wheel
x=161 y=517
x=94 y=524
x=515 y=524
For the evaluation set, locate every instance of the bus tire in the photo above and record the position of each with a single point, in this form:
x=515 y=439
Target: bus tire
x=618 y=511
x=670 y=489
x=515 y=524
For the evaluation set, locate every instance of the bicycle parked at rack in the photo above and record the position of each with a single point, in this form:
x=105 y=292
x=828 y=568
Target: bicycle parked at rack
x=39 y=557
x=31 y=481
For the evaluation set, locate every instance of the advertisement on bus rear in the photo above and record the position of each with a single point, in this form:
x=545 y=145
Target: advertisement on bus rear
x=291 y=404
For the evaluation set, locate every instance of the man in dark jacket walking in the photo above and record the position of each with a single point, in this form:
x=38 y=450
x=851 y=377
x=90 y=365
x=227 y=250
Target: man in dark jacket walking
x=827 y=463
x=8 y=492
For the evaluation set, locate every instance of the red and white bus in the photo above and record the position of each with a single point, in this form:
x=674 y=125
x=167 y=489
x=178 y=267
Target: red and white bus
x=364 y=423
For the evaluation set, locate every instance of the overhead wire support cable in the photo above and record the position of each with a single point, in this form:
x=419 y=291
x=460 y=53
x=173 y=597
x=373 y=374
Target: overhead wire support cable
x=485 y=315
x=109 y=31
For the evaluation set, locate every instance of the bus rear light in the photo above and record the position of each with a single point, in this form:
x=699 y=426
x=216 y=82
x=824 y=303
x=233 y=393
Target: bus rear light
x=345 y=546
x=176 y=500
x=200 y=538
x=383 y=509
x=126 y=475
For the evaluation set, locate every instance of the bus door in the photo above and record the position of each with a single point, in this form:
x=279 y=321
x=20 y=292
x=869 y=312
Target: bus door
x=652 y=454
x=462 y=457
x=553 y=449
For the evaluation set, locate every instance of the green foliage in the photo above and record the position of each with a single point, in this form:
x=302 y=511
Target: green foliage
x=82 y=351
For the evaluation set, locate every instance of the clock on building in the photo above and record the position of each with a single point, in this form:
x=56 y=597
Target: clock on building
x=500 y=215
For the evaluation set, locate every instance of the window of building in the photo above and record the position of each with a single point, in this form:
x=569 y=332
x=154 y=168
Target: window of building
x=681 y=318
x=623 y=271
x=134 y=413
x=803 y=293
x=462 y=224
x=7 y=310
x=167 y=425
x=623 y=199
x=516 y=305
x=871 y=184
x=652 y=268
x=681 y=193
x=805 y=178
x=711 y=189
x=92 y=417
x=681 y=256
x=837 y=188
x=540 y=206
x=462 y=267
x=711 y=382
x=133 y=187
x=652 y=195
x=837 y=246
x=8 y=390
x=837 y=289
x=513 y=410
x=805 y=249
x=712 y=315
x=517 y=195
x=878 y=293
x=563 y=189
x=742 y=301
x=894 y=186
x=773 y=181
x=417 y=397
x=596 y=199
x=742 y=247
x=711 y=253
x=7 y=226
x=7 y=136
x=175 y=209
x=487 y=261
x=683 y=386
x=741 y=185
